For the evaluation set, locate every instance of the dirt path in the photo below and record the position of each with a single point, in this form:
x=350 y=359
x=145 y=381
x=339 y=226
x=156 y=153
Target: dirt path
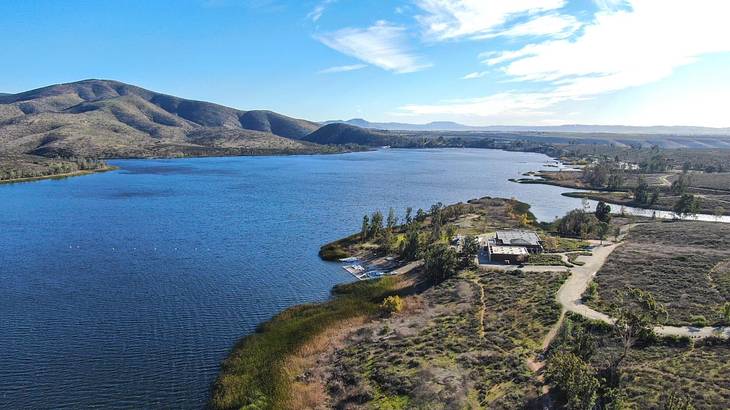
x=483 y=306
x=569 y=297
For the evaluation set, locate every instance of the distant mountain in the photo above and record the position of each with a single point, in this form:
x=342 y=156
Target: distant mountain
x=575 y=128
x=398 y=126
x=350 y=134
x=103 y=118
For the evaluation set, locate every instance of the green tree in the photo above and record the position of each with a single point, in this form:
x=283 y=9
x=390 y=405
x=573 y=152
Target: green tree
x=436 y=213
x=411 y=249
x=450 y=232
x=686 y=205
x=386 y=240
x=365 y=229
x=409 y=216
x=603 y=212
x=641 y=192
x=577 y=223
x=440 y=262
x=420 y=215
x=469 y=250
x=376 y=225
x=654 y=197
x=616 y=180
x=392 y=220
x=681 y=184
x=435 y=229
x=635 y=313
x=574 y=378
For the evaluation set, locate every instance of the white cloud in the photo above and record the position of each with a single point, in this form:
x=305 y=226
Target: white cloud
x=342 y=68
x=383 y=45
x=476 y=74
x=553 y=25
x=610 y=5
x=636 y=45
x=452 y=19
x=500 y=104
x=319 y=9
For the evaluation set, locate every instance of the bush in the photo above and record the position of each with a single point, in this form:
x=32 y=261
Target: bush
x=392 y=304
x=698 y=320
x=591 y=293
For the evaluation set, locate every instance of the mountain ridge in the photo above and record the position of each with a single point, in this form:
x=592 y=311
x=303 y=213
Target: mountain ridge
x=680 y=130
x=107 y=118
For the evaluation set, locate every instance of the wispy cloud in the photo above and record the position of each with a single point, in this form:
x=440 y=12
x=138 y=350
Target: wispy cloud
x=500 y=104
x=621 y=48
x=554 y=25
x=319 y=9
x=342 y=68
x=476 y=74
x=384 y=45
x=453 y=19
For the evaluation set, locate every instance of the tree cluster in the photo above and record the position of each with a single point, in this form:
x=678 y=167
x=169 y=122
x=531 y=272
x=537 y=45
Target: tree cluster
x=49 y=168
x=584 y=385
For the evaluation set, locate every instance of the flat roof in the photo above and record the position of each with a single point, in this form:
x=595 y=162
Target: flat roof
x=508 y=250
x=518 y=238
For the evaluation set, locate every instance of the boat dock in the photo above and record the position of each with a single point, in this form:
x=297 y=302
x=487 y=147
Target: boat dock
x=377 y=268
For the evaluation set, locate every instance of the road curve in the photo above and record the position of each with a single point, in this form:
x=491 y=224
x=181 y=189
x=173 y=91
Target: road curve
x=569 y=296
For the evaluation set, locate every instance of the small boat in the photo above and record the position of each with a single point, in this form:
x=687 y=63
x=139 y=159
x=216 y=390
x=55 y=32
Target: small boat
x=349 y=260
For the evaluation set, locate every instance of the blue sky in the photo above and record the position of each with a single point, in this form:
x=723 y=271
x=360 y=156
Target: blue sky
x=634 y=62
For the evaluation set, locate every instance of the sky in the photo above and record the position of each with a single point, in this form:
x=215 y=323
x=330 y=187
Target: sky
x=478 y=62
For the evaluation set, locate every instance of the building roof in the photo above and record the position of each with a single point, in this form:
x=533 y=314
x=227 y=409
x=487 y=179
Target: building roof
x=508 y=250
x=518 y=238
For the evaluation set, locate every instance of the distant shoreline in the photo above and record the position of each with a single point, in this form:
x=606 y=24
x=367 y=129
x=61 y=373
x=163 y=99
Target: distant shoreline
x=59 y=176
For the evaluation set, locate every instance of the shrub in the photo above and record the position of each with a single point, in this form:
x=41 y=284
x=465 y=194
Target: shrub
x=698 y=320
x=392 y=304
x=591 y=293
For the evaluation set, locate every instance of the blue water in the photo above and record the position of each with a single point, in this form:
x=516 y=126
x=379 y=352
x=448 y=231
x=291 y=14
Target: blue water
x=127 y=289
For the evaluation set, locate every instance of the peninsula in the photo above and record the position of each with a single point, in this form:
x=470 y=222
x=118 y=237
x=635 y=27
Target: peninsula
x=440 y=320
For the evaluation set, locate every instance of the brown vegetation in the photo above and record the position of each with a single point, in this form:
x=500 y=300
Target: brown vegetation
x=684 y=264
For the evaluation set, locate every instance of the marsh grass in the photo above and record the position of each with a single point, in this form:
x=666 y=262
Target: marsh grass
x=256 y=374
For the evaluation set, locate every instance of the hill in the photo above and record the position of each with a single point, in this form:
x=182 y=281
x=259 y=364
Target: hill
x=340 y=134
x=107 y=119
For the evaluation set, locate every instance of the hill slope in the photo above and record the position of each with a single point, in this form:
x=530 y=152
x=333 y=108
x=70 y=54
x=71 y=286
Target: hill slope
x=338 y=133
x=102 y=118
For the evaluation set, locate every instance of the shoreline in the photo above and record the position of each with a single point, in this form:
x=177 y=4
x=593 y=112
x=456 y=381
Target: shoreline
x=59 y=176
x=295 y=331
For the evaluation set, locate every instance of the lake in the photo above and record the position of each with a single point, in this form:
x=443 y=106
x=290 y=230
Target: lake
x=127 y=289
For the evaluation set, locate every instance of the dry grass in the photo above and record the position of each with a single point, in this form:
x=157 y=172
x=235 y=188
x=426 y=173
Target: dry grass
x=682 y=263
x=465 y=346
x=307 y=384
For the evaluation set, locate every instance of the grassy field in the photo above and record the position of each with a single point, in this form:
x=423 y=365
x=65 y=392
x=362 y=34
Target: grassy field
x=655 y=369
x=461 y=344
x=255 y=373
x=684 y=264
